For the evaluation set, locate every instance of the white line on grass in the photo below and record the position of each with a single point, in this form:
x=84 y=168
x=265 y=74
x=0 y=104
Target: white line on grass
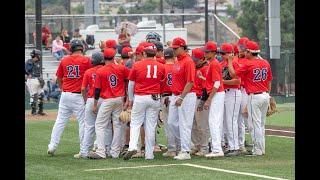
x=233 y=172
x=134 y=167
x=280 y=130
x=192 y=165
x=282 y=136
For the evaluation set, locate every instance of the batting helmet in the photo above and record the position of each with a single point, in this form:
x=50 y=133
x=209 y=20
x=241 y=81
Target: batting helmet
x=152 y=36
x=97 y=58
x=76 y=45
x=35 y=52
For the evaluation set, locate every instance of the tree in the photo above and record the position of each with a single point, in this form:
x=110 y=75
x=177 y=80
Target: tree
x=55 y=9
x=121 y=10
x=79 y=9
x=185 y=3
x=231 y=11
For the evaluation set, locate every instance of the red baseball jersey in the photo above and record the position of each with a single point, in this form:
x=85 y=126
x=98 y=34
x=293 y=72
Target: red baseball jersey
x=111 y=80
x=147 y=74
x=256 y=75
x=200 y=79
x=214 y=74
x=224 y=66
x=89 y=79
x=167 y=83
x=71 y=70
x=240 y=62
x=161 y=60
x=183 y=72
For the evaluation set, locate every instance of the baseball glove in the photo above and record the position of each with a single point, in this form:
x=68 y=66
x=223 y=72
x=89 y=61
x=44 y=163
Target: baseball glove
x=272 y=108
x=125 y=116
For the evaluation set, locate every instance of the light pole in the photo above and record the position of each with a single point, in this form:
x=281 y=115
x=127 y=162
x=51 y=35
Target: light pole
x=206 y=21
x=38 y=31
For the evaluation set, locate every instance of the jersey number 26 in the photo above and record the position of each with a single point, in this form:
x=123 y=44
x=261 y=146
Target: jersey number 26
x=260 y=74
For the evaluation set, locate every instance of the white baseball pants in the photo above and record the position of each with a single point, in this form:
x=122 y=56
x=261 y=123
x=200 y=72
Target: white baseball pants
x=180 y=119
x=257 y=111
x=70 y=103
x=144 y=110
x=171 y=142
x=200 y=129
x=215 y=120
x=232 y=101
x=242 y=120
x=110 y=109
x=34 y=87
x=90 y=121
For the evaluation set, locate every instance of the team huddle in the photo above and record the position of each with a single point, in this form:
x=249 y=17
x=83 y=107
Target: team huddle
x=204 y=99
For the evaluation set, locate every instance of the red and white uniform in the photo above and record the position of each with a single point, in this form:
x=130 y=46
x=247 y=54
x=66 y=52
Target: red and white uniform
x=180 y=118
x=90 y=117
x=257 y=75
x=199 y=80
x=167 y=83
x=71 y=70
x=161 y=60
x=147 y=75
x=216 y=111
x=110 y=79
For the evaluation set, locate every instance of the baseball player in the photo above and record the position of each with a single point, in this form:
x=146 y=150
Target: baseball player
x=69 y=76
x=90 y=118
x=257 y=76
x=144 y=80
x=110 y=85
x=200 y=130
x=232 y=100
x=215 y=89
x=126 y=57
x=243 y=118
x=183 y=101
x=159 y=55
x=34 y=82
x=166 y=92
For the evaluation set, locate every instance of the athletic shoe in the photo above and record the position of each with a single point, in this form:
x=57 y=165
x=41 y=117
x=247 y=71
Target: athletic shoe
x=251 y=154
x=232 y=153
x=199 y=153
x=129 y=154
x=214 y=154
x=169 y=154
x=194 y=151
x=157 y=148
x=182 y=156
x=51 y=151
x=139 y=154
x=243 y=150
x=79 y=156
x=95 y=156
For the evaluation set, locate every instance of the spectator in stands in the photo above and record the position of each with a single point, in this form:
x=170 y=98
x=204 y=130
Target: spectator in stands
x=58 y=50
x=45 y=38
x=54 y=90
x=123 y=40
x=77 y=35
x=65 y=38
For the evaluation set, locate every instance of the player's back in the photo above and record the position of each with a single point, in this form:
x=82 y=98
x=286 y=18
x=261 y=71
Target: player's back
x=89 y=79
x=111 y=79
x=167 y=82
x=71 y=69
x=147 y=74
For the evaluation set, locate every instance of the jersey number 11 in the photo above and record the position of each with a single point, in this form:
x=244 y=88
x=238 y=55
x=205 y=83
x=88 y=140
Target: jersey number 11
x=154 y=71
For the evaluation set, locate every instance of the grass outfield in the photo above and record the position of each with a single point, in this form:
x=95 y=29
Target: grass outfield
x=278 y=162
x=285 y=117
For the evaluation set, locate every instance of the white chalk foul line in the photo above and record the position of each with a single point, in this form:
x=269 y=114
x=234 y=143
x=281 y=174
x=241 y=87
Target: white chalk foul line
x=190 y=165
x=133 y=167
x=233 y=172
x=282 y=136
x=277 y=130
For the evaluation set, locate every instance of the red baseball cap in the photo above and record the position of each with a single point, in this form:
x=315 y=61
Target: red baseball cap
x=197 y=54
x=139 y=49
x=109 y=52
x=235 y=48
x=178 y=42
x=253 y=47
x=149 y=46
x=210 y=46
x=226 y=48
x=126 y=50
x=111 y=43
x=242 y=42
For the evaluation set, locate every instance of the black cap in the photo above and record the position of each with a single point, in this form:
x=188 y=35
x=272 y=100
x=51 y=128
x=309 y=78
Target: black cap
x=168 y=53
x=158 y=44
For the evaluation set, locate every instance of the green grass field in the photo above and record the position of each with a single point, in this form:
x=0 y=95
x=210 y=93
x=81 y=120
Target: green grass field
x=285 y=117
x=278 y=161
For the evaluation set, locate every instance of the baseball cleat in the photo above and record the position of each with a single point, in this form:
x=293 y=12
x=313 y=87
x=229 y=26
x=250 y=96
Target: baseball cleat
x=139 y=154
x=95 y=156
x=129 y=154
x=51 y=152
x=243 y=150
x=79 y=156
x=232 y=153
x=169 y=154
x=199 y=153
x=214 y=154
x=182 y=156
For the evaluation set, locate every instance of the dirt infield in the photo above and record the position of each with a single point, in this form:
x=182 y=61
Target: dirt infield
x=270 y=130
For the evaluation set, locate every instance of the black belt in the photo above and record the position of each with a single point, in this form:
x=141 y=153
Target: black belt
x=256 y=93
x=73 y=92
x=226 y=90
x=166 y=94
